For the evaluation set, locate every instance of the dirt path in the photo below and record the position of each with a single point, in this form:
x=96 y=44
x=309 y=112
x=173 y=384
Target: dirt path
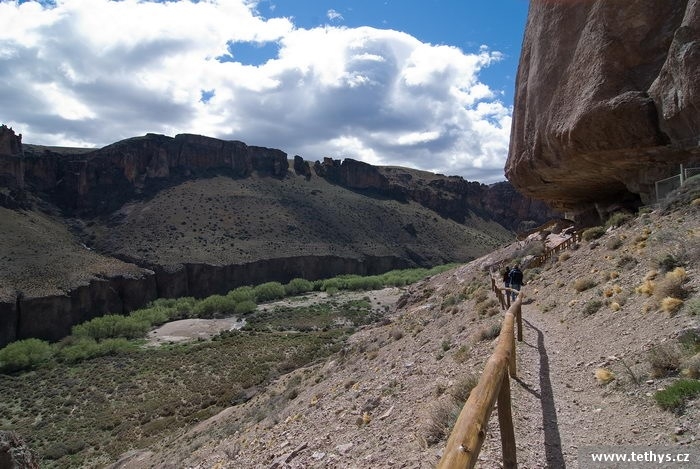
x=559 y=407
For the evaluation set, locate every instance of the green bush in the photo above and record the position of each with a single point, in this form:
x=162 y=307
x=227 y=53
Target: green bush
x=85 y=348
x=155 y=315
x=669 y=262
x=331 y=283
x=675 y=396
x=112 y=326
x=297 y=286
x=593 y=233
x=692 y=307
x=592 y=307
x=24 y=355
x=269 y=291
x=618 y=219
x=245 y=307
x=184 y=307
x=214 y=304
x=240 y=294
x=365 y=283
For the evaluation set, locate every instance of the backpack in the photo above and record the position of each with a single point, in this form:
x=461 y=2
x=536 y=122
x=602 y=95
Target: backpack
x=516 y=277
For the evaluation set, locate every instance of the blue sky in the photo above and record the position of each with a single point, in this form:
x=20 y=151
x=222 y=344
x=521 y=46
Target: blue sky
x=426 y=84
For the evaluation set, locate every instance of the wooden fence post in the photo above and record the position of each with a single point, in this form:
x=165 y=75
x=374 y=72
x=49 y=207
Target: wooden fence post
x=505 y=423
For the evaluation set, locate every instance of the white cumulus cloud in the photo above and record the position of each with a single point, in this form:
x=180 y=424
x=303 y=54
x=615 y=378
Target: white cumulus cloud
x=92 y=72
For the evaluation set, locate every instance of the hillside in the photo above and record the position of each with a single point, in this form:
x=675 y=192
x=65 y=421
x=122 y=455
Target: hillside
x=383 y=400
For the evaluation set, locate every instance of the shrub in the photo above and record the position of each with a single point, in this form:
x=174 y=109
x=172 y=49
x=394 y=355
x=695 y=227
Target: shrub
x=461 y=390
x=618 y=219
x=297 y=286
x=692 y=307
x=593 y=233
x=672 y=284
x=669 y=262
x=592 y=307
x=245 y=307
x=155 y=315
x=675 y=396
x=372 y=282
x=564 y=256
x=583 y=284
x=442 y=415
x=183 y=308
x=627 y=262
x=242 y=294
x=24 y=355
x=269 y=291
x=214 y=304
x=85 y=348
x=664 y=359
x=112 y=326
x=488 y=333
x=613 y=243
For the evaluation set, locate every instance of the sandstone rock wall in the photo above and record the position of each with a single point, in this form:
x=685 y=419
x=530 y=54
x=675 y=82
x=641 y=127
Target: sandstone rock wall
x=607 y=100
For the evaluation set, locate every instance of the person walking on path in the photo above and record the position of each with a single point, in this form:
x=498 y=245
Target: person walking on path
x=506 y=277
x=515 y=278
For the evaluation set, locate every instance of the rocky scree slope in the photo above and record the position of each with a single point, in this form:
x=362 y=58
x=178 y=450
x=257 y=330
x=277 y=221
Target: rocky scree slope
x=386 y=399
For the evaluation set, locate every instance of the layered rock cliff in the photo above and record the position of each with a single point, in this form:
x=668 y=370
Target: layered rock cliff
x=607 y=100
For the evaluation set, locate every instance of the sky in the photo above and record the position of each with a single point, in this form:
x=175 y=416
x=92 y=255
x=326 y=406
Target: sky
x=426 y=84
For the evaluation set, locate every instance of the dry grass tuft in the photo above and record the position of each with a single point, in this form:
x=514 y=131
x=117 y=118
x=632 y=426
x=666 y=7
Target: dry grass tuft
x=461 y=390
x=583 y=284
x=564 y=256
x=604 y=376
x=646 y=288
x=690 y=368
x=615 y=306
x=441 y=417
x=672 y=285
x=671 y=305
x=664 y=359
x=651 y=275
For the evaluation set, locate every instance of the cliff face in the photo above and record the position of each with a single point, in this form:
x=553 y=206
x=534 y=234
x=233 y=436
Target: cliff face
x=102 y=180
x=607 y=100
x=450 y=196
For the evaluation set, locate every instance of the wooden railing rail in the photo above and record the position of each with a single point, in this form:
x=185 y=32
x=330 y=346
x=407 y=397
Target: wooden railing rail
x=551 y=252
x=464 y=443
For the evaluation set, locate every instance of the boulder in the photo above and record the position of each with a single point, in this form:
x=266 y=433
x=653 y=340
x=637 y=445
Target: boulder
x=607 y=101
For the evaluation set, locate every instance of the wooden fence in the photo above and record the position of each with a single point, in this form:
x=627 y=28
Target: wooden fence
x=549 y=253
x=464 y=443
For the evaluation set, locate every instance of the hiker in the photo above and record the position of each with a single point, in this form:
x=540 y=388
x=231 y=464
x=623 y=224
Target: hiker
x=506 y=277
x=516 y=280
